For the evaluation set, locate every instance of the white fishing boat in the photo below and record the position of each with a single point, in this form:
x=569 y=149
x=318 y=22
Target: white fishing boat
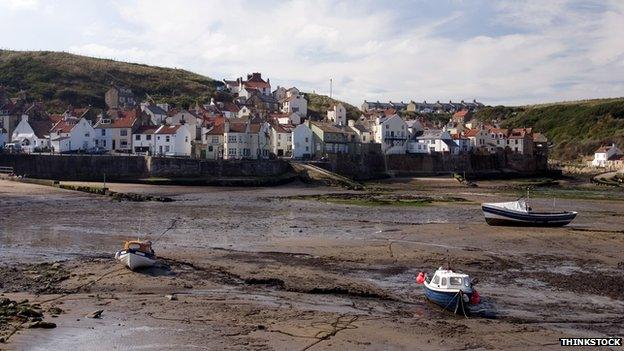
x=450 y=290
x=520 y=213
x=136 y=254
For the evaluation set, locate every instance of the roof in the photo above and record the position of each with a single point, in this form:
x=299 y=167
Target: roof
x=155 y=109
x=65 y=125
x=431 y=134
x=167 y=129
x=330 y=128
x=603 y=149
x=461 y=113
x=242 y=128
x=361 y=127
x=146 y=130
x=216 y=130
x=230 y=107
x=471 y=133
x=41 y=128
x=282 y=128
x=539 y=138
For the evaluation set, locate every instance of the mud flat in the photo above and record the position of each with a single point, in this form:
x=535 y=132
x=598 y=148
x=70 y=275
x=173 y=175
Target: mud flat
x=287 y=268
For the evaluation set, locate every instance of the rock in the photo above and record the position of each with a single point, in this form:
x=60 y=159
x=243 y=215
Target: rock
x=26 y=311
x=95 y=314
x=188 y=286
x=56 y=265
x=261 y=327
x=42 y=324
x=171 y=297
x=55 y=311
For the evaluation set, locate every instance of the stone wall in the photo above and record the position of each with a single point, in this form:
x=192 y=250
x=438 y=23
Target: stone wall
x=94 y=167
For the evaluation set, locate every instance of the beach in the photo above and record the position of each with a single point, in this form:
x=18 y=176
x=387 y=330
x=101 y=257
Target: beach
x=303 y=267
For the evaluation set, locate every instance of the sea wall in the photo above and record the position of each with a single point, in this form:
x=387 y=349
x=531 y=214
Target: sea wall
x=95 y=167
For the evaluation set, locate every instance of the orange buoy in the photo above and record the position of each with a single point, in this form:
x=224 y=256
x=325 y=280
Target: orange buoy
x=420 y=278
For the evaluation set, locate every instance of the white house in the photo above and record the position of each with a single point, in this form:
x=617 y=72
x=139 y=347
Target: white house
x=302 y=141
x=479 y=138
x=246 y=140
x=391 y=132
x=173 y=140
x=337 y=115
x=438 y=141
x=285 y=118
x=72 y=134
x=213 y=139
x=193 y=122
x=143 y=141
x=604 y=154
x=244 y=112
x=414 y=127
x=281 y=139
x=32 y=135
x=295 y=103
x=363 y=132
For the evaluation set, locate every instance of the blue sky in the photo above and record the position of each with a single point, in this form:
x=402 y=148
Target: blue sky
x=499 y=52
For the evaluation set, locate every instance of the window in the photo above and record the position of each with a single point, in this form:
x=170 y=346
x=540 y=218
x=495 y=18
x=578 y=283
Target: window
x=231 y=138
x=167 y=148
x=103 y=132
x=387 y=126
x=279 y=136
x=123 y=132
x=455 y=281
x=443 y=282
x=137 y=137
x=232 y=152
x=307 y=148
x=167 y=138
x=124 y=143
x=87 y=134
x=306 y=139
x=148 y=137
x=215 y=140
x=103 y=143
x=436 y=280
x=210 y=148
x=158 y=137
x=186 y=139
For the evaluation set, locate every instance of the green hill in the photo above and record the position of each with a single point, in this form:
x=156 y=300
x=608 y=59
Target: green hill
x=59 y=78
x=319 y=104
x=576 y=128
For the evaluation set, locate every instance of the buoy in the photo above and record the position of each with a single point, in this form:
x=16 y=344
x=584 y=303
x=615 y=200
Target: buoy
x=475 y=299
x=420 y=278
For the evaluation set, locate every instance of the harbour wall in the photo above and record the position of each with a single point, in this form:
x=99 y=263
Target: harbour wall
x=96 y=167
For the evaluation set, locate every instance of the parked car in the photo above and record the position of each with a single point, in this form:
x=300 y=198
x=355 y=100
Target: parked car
x=13 y=147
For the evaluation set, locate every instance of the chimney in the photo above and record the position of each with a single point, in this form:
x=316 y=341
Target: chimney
x=25 y=118
x=226 y=126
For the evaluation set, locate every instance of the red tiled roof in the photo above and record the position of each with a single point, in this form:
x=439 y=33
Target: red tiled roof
x=41 y=128
x=461 y=113
x=217 y=129
x=65 y=125
x=55 y=118
x=471 y=133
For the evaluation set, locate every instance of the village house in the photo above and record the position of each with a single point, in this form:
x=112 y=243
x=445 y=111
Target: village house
x=391 y=132
x=414 y=127
x=72 y=134
x=331 y=139
x=285 y=118
x=246 y=140
x=156 y=113
x=192 y=120
x=173 y=140
x=337 y=114
x=294 y=102
x=520 y=140
x=262 y=104
x=302 y=141
x=32 y=135
x=114 y=130
x=245 y=88
x=438 y=141
x=461 y=117
x=604 y=154
x=143 y=141
x=478 y=137
x=281 y=139
x=119 y=97
x=499 y=137
x=363 y=131
x=462 y=142
x=213 y=140
x=4 y=137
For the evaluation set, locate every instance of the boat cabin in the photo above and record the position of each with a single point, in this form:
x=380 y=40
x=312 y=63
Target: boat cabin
x=447 y=279
x=141 y=246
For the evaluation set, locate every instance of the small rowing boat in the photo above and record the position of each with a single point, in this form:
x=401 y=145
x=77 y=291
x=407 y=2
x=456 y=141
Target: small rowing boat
x=136 y=254
x=450 y=290
x=520 y=213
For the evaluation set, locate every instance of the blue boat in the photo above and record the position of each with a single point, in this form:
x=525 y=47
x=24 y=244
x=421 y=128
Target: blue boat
x=519 y=213
x=450 y=290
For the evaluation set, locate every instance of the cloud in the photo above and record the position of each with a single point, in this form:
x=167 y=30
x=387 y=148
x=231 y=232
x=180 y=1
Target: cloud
x=19 y=4
x=510 y=52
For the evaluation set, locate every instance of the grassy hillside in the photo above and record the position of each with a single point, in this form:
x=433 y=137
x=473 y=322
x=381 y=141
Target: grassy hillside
x=60 y=78
x=576 y=128
x=319 y=104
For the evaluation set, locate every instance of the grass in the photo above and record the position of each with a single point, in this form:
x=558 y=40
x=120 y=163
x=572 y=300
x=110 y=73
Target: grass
x=576 y=128
x=60 y=78
x=319 y=104
x=379 y=199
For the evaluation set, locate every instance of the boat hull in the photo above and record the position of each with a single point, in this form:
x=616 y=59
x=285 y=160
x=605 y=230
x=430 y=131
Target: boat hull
x=135 y=260
x=448 y=300
x=497 y=216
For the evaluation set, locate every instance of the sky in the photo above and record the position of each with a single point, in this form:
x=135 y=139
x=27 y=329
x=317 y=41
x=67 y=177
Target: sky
x=498 y=52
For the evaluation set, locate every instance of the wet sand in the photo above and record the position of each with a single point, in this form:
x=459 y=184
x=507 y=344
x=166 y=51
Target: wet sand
x=253 y=268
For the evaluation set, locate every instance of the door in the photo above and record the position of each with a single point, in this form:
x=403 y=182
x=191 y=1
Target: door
x=114 y=144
